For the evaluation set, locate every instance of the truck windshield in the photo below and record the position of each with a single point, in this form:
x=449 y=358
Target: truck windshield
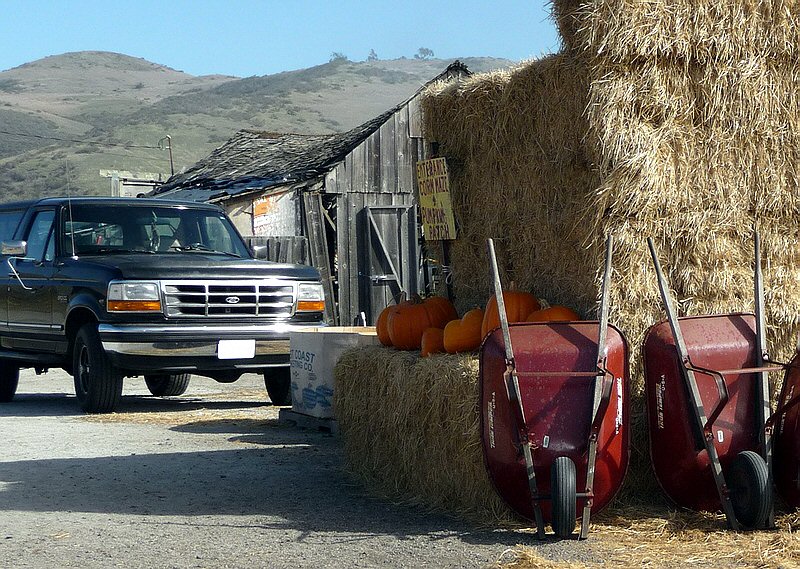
x=92 y=229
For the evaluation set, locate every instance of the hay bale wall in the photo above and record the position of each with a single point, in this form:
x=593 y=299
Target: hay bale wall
x=519 y=171
x=678 y=121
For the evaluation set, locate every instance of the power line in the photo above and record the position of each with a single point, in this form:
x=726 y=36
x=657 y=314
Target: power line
x=41 y=137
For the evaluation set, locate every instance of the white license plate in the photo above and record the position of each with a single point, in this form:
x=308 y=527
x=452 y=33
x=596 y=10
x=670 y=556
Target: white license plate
x=236 y=349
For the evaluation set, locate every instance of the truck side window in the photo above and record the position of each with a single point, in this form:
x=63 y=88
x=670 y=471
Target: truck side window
x=41 y=245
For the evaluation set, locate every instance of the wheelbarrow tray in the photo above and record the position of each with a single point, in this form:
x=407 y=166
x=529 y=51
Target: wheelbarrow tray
x=787 y=437
x=679 y=457
x=558 y=410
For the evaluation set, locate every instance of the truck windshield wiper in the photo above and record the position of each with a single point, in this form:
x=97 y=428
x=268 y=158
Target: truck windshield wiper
x=107 y=250
x=204 y=249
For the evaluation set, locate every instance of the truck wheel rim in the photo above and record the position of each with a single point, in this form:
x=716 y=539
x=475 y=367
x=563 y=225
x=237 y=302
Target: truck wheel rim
x=84 y=369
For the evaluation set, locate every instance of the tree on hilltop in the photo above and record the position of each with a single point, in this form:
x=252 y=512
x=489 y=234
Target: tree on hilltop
x=424 y=53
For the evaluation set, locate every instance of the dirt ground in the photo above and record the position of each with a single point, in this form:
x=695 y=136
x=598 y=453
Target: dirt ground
x=209 y=479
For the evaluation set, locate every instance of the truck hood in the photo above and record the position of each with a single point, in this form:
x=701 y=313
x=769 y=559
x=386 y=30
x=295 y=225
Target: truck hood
x=199 y=266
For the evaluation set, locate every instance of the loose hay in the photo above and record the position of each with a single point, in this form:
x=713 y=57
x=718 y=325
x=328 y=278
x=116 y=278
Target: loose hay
x=657 y=538
x=233 y=407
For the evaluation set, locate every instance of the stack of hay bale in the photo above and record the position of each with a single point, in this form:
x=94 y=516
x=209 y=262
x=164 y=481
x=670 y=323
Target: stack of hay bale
x=676 y=120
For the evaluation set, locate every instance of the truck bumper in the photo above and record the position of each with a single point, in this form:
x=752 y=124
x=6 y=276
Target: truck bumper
x=198 y=348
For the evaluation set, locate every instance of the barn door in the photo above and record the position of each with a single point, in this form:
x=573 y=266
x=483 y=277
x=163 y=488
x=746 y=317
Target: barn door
x=392 y=256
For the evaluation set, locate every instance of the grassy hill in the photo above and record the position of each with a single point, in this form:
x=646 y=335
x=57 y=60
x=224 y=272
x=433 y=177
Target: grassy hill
x=65 y=117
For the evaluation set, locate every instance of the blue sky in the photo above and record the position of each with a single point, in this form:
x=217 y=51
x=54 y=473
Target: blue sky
x=250 y=37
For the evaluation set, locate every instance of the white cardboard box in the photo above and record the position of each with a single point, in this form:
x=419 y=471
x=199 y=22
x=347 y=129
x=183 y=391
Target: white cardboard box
x=313 y=355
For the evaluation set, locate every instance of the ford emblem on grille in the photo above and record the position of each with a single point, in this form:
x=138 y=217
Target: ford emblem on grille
x=232 y=300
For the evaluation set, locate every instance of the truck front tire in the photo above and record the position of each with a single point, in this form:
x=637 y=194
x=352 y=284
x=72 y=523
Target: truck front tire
x=98 y=385
x=9 y=378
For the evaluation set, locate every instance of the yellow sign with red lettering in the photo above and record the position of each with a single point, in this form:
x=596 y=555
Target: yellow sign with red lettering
x=435 y=206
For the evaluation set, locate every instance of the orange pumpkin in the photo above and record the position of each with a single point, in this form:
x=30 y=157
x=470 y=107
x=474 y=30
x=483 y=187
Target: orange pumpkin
x=409 y=319
x=406 y=323
x=518 y=305
x=432 y=342
x=555 y=313
x=440 y=310
x=382 y=326
x=464 y=335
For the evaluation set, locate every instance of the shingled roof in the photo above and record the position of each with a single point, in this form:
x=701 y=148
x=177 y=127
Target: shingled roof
x=256 y=160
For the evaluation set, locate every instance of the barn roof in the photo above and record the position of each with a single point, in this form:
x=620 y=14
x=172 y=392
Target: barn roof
x=256 y=160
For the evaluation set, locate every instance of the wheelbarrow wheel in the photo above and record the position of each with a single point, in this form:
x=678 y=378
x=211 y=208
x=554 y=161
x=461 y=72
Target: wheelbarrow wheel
x=564 y=496
x=751 y=495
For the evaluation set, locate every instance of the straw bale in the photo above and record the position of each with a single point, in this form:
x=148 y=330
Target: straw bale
x=519 y=169
x=696 y=159
x=411 y=430
x=700 y=30
x=691 y=151
x=567 y=15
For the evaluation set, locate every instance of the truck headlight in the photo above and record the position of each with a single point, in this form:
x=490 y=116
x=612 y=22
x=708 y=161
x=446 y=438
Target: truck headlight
x=133 y=296
x=310 y=297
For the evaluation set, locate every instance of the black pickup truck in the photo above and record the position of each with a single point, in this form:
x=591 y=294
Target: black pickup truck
x=108 y=288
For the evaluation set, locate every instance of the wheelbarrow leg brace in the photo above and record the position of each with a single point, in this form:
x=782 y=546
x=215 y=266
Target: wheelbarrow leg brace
x=603 y=384
x=514 y=394
x=711 y=450
x=602 y=395
x=512 y=387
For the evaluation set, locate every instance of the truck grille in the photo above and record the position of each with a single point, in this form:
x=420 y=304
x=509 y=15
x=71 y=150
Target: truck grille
x=229 y=299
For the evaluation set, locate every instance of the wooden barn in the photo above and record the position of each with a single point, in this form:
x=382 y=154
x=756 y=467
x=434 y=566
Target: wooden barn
x=345 y=203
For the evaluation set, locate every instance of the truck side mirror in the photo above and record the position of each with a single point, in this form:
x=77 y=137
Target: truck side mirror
x=14 y=248
x=260 y=251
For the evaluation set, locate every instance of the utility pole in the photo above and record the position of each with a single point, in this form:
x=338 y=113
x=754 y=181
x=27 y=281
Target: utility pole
x=168 y=138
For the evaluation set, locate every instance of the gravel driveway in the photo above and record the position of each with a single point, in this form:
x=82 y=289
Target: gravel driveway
x=209 y=479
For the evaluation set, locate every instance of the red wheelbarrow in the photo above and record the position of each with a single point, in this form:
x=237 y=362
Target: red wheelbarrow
x=787 y=436
x=708 y=407
x=554 y=414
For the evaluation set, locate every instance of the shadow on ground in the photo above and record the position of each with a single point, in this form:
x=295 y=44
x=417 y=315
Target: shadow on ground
x=62 y=404
x=280 y=477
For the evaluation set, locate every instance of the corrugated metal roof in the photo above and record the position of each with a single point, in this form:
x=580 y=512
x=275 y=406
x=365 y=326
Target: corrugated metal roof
x=252 y=160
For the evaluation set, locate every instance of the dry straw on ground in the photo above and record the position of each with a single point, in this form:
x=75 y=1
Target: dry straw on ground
x=232 y=407
x=663 y=539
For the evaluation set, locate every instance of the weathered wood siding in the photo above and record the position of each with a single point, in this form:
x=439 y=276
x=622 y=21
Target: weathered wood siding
x=385 y=161
x=376 y=234
x=379 y=173
x=364 y=274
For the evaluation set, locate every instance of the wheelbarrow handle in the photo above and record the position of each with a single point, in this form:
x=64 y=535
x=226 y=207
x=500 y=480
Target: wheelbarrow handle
x=722 y=390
